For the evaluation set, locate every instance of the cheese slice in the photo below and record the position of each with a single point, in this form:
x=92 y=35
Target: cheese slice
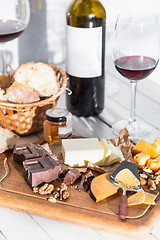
x=76 y=152
x=137 y=198
x=141 y=197
x=102 y=188
x=112 y=154
x=149 y=198
x=126 y=178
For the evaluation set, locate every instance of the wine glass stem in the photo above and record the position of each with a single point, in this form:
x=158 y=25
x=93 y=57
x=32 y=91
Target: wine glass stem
x=132 y=119
x=2 y=59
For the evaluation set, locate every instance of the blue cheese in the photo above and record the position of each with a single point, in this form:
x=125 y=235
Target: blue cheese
x=76 y=152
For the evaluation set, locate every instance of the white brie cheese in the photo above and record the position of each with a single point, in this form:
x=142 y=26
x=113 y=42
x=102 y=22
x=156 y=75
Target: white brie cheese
x=76 y=152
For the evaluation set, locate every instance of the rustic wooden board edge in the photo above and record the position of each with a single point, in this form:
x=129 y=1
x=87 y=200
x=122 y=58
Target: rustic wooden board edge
x=66 y=213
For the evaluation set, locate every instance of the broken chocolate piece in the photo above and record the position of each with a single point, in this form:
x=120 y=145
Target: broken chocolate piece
x=40 y=170
x=28 y=151
x=71 y=176
x=85 y=184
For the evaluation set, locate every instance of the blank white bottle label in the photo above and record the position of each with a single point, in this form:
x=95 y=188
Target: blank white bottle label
x=84 y=52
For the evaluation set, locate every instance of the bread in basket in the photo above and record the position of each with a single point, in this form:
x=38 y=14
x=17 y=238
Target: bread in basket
x=28 y=118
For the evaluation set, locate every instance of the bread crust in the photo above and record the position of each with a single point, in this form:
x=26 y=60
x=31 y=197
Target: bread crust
x=15 y=137
x=20 y=93
x=40 y=76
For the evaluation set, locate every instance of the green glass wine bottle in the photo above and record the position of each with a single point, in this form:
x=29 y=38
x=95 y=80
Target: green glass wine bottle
x=85 y=57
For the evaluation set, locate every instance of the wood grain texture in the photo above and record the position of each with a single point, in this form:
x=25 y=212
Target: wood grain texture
x=78 y=209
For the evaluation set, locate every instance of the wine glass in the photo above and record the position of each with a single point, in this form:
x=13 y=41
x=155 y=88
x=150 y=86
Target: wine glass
x=135 y=55
x=14 y=18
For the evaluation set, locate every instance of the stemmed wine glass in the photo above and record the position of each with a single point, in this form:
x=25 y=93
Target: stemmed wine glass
x=135 y=54
x=14 y=18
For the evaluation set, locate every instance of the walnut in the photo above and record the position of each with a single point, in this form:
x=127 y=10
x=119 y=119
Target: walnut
x=51 y=199
x=49 y=189
x=35 y=189
x=143 y=175
x=63 y=187
x=65 y=195
x=46 y=189
x=151 y=184
x=147 y=170
x=55 y=194
x=157 y=173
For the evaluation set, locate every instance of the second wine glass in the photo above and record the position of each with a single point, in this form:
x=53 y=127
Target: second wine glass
x=14 y=18
x=135 y=54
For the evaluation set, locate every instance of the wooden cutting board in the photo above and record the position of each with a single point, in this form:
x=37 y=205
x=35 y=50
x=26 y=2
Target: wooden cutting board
x=79 y=208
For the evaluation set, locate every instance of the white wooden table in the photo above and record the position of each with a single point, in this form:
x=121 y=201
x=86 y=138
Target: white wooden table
x=16 y=225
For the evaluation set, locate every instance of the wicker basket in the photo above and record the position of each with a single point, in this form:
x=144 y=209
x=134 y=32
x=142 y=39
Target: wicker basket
x=24 y=119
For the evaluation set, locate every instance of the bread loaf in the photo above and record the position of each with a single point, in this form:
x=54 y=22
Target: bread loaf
x=19 y=93
x=39 y=76
x=7 y=139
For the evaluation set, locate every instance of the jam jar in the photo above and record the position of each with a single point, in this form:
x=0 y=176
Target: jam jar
x=58 y=125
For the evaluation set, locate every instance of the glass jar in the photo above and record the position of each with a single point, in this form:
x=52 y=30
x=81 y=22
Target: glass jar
x=58 y=125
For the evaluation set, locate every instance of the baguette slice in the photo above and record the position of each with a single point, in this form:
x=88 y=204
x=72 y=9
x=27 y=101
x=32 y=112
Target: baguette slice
x=19 y=93
x=8 y=139
x=39 y=76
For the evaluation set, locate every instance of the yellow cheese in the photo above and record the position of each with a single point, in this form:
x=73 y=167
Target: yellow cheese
x=141 y=159
x=127 y=178
x=112 y=154
x=137 y=198
x=143 y=146
x=154 y=164
x=149 y=199
x=143 y=181
x=102 y=188
x=156 y=145
x=142 y=197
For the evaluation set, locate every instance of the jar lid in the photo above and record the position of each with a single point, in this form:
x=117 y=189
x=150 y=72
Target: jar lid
x=56 y=115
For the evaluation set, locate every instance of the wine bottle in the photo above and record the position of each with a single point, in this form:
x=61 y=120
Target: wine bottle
x=85 y=56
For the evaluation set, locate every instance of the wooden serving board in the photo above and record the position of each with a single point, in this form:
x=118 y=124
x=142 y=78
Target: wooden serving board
x=79 y=208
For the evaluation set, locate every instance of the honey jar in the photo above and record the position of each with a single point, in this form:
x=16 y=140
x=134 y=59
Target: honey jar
x=58 y=125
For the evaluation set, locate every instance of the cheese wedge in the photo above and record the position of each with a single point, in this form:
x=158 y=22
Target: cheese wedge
x=137 y=198
x=112 y=154
x=102 y=188
x=143 y=146
x=126 y=178
x=156 y=145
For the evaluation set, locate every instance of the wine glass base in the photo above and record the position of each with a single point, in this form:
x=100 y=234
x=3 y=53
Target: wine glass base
x=136 y=130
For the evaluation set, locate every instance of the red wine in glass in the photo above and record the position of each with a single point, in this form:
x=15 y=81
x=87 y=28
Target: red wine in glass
x=10 y=29
x=135 y=67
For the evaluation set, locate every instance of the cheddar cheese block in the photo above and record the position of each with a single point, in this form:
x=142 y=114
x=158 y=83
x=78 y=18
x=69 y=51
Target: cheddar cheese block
x=141 y=159
x=102 y=188
x=156 y=145
x=154 y=164
x=143 y=146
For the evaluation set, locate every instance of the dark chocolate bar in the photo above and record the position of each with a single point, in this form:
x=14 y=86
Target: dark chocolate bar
x=40 y=170
x=28 y=151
